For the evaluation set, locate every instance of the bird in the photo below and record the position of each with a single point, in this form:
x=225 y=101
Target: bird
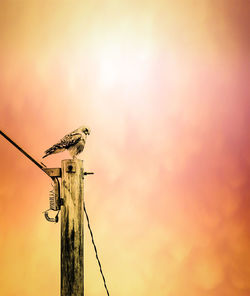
x=74 y=142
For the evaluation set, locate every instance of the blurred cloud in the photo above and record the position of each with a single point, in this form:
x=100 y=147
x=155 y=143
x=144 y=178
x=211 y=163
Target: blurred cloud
x=163 y=87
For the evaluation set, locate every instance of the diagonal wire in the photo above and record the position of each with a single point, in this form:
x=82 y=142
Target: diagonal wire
x=40 y=165
x=96 y=253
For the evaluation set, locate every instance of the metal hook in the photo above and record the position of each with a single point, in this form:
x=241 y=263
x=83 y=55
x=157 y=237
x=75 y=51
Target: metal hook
x=51 y=219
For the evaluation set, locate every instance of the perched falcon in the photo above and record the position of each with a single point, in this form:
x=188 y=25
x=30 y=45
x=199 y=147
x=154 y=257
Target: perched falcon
x=73 y=142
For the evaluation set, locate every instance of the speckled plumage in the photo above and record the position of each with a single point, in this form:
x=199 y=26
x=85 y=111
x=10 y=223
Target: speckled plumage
x=74 y=142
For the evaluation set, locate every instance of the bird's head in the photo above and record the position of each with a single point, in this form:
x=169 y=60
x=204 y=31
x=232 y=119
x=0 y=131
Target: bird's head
x=85 y=130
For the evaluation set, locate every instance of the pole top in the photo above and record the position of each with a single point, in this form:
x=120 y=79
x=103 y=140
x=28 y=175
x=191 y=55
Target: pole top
x=76 y=160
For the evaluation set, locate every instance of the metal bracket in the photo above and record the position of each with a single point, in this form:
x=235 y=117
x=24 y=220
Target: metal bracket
x=54 y=197
x=53 y=172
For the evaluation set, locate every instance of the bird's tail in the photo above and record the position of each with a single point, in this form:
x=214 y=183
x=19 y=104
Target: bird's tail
x=49 y=151
x=53 y=150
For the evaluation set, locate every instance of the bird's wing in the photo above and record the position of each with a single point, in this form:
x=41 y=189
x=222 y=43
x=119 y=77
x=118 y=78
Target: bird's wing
x=70 y=140
x=66 y=142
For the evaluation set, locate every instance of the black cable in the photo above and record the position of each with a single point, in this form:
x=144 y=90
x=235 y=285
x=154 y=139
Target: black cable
x=96 y=254
x=41 y=166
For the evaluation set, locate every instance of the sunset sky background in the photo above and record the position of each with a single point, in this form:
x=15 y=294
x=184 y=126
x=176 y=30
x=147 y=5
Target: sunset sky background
x=164 y=87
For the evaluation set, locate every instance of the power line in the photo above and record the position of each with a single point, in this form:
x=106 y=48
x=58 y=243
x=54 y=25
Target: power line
x=40 y=165
x=96 y=253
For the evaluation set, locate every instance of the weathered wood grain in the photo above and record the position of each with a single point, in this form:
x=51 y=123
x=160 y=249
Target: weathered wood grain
x=72 y=283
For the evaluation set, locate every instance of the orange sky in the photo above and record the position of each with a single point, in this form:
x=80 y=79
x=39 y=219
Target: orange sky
x=163 y=86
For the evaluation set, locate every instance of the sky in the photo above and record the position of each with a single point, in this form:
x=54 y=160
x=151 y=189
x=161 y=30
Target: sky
x=163 y=86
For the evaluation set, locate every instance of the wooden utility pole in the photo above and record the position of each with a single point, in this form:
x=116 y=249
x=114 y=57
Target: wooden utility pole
x=72 y=280
x=71 y=203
